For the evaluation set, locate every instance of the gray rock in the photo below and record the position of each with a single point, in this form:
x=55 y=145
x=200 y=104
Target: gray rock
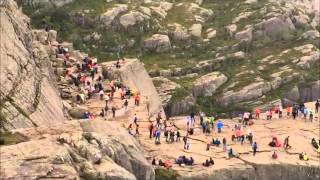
x=157 y=43
x=208 y=84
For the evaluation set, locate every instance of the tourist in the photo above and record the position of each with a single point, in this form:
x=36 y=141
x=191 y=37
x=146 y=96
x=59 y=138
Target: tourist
x=102 y=113
x=274 y=155
x=314 y=143
x=208 y=162
x=280 y=111
x=157 y=139
x=305 y=113
x=208 y=144
x=286 y=143
x=224 y=142
x=219 y=126
x=254 y=148
x=310 y=116
x=137 y=99
x=257 y=113
x=288 y=110
x=171 y=140
x=317 y=105
x=212 y=122
x=178 y=136
x=130 y=129
x=150 y=129
x=230 y=153
x=125 y=104
x=135 y=119
x=113 y=109
x=137 y=130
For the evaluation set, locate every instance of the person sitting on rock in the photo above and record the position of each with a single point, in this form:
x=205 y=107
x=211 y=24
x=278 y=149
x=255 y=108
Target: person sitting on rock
x=102 y=113
x=230 y=153
x=206 y=163
x=274 y=155
x=167 y=164
x=211 y=161
x=153 y=161
x=314 y=143
x=286 y=143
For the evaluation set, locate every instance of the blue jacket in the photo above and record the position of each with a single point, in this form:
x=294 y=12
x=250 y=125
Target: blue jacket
x=219 y=125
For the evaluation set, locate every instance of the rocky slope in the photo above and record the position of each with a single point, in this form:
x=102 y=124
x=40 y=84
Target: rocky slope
x=28 y=95
x=255 y=41
x=90 y=150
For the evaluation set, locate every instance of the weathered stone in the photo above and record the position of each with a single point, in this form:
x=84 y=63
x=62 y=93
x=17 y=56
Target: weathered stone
x=208 y=84
x=108 y=17
x=157 y=43
x=196 y=30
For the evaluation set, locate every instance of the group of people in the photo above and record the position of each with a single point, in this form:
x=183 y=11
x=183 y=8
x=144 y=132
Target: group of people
x=183 y=160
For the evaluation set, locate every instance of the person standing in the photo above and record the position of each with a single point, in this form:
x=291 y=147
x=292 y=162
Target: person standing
x=254 y=148
x=317 y=105
x=224 y=142
x=150 y=129
x=257 y=112
x=113 y=109
x=125 y=104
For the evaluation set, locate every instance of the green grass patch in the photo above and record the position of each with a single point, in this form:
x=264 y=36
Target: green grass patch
x=9 y=138
x=166 y=174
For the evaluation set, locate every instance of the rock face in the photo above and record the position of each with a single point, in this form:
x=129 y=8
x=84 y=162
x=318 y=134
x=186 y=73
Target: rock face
x=157 y=43
x=88 y=149
x=165 y=88
x=134 y=75
x=206 y=85
x=302 y=94
x=28 y=97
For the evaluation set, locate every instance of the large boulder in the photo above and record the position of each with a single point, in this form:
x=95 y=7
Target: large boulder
x=248 y=92
x=157 y=43
x=208 y=84
x=196 y=30
x=132 y=18
x=312 y=34
x=78 y=112
x=165 y=88
x=108 y=17
x=179 y=33
x=231 y=29
x=275 y=27
x=245 y=35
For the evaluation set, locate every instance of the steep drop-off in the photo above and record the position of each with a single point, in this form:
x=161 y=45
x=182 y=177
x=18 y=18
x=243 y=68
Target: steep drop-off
x=28 y=97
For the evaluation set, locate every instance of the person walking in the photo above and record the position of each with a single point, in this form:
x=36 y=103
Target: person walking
x=254 y=148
